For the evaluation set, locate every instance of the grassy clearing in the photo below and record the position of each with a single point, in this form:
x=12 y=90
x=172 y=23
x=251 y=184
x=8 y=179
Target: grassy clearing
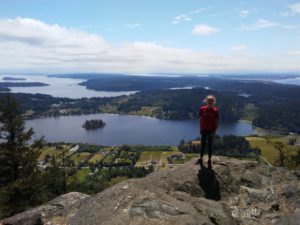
x=150 y=155
x=80 y=157
x=174 y=148
x=165 y=156
x=116 y=180
x=190 y=156
x=285 y=139
x=82 y=174
x=146 y=111
x=267 y=149
x=47 y=151
x=95 y=158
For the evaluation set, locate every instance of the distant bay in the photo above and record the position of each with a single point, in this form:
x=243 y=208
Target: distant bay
x=60 y=87
x=293 y=81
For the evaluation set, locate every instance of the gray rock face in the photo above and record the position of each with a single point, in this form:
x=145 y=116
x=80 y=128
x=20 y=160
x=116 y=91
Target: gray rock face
x=233 y=192
x=59 y=209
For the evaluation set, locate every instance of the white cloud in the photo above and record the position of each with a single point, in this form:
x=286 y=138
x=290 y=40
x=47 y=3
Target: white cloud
x=260 y=24
x=204 y=29
x=181 y=18
x=28 y=45
x=244 y=13
x=265 y=23
x=285 y=14
x=295 y=8
x=239 y=48
x=132 y=25
x=197 y=11
x=292 y=26
x=214 y=15
x=294 y=53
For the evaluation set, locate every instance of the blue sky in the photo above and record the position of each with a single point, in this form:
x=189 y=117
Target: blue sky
x=143 y=36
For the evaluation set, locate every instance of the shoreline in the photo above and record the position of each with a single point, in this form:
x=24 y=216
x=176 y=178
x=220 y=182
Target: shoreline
x=263 y=131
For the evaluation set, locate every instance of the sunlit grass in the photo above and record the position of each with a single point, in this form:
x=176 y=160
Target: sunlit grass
x=116 y=180
x=95 y=158
x=150 y=155
x=80 y=157
x=47 y=151
x=267 y=149
x=286 y=139
x=82 y=174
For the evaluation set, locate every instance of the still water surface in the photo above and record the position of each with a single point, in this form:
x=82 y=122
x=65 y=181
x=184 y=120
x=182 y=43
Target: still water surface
x=60 y=87
x=126 y=129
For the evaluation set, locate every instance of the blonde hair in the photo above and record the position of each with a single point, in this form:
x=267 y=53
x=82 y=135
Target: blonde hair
x=210 y=97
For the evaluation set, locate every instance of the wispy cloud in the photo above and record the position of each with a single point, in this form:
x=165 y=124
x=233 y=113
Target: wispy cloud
x=187 y=17
x=294 y=52
x=204 y=29
x=292 y=26
x=260 y=24
x=295 y=8
x=29 y=45
x=132 y=25
x=214 y=15
x=181 y=18
x=197 y=11
x=239 y=48
x=244 y=13
x=285 y=13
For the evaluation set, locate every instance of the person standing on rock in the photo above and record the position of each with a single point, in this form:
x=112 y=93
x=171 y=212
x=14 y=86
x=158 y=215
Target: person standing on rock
x=209 y=122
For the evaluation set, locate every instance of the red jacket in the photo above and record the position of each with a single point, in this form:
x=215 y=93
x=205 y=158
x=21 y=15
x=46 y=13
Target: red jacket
x=208 y=118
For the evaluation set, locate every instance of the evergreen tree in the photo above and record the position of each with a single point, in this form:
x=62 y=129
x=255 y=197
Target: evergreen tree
x=282 y=156
x=57 y=174
x=19 y=186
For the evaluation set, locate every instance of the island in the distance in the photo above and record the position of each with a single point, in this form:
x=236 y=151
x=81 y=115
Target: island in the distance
x=7 y=85
x=93 y=124
x=13 y=78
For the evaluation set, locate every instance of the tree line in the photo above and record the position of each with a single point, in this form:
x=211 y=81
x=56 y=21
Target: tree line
x=227 y=145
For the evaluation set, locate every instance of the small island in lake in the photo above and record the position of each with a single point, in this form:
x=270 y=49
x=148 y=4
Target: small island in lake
x=93 y=124
x=13 y=78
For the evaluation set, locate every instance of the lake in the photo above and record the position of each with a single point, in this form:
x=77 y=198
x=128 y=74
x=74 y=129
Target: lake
x=126 y=129
x=60 y=87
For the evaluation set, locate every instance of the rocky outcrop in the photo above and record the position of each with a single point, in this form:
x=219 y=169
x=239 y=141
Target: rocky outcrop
x=232 y=192
x=56 y=211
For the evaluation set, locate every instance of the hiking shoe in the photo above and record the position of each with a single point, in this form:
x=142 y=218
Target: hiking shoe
x=199 y=161
x=209 y=164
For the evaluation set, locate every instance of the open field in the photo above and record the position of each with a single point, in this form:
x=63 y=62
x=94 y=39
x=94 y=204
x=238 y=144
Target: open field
x=82 y=174
x=47 y=151
x=96 y=157
x=80 y=157
x=150 y=155
x=162 y=158
x=268 y=151
x=52 y=151
x=286 y=138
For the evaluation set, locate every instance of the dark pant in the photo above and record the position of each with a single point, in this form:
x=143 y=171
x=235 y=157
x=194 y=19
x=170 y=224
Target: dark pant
x=206 y=140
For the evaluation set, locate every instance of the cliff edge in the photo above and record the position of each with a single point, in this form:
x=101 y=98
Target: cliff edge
x=232 y=192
